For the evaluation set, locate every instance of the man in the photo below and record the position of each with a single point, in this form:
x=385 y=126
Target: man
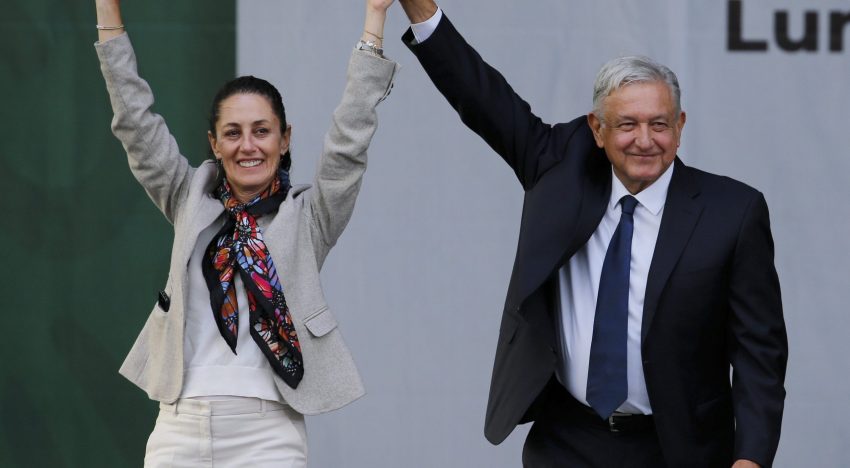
x=638 y=281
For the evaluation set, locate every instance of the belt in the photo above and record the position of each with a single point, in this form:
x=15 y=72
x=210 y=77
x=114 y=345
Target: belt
x=623 y=422
x=227 y=407
x=577 y=412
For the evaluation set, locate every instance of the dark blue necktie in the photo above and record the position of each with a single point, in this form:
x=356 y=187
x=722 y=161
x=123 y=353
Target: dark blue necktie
x=607 y=385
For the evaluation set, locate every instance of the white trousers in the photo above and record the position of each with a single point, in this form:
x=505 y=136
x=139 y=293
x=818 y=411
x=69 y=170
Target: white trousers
x=227 y=433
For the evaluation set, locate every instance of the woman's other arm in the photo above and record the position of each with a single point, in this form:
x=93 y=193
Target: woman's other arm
x=354 y=121
x=154 y=157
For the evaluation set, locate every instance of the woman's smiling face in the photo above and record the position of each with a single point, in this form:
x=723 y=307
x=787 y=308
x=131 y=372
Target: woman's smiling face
x=249 y=143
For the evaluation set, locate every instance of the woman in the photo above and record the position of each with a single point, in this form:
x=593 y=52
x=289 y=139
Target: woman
x=241 y=344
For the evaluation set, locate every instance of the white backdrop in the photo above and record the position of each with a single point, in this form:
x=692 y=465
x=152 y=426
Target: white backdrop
x=418 y=279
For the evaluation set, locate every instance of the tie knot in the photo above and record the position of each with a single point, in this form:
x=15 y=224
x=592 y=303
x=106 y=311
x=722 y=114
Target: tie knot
x=629 y=203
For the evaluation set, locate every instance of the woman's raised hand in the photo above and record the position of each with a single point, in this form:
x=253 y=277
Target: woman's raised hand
x=376 y=15
x=379 y=5
x=108 y=16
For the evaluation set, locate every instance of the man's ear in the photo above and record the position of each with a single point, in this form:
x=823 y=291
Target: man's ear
x=680 y=124
x=595 y=127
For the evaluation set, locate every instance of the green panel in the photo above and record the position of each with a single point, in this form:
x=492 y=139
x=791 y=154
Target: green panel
x=84 y=251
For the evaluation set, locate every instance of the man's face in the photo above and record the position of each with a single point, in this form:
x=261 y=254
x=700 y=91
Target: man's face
x=639 y=131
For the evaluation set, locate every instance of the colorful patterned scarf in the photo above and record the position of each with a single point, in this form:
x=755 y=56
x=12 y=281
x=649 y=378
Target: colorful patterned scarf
x=239 y=247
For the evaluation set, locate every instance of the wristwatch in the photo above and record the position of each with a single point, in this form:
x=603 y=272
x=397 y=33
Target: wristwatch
x=369 y=46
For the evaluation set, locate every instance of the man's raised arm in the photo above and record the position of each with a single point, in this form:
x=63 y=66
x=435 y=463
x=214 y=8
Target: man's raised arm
x=480 y=95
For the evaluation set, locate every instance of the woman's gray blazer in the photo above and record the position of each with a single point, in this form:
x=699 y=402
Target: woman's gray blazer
x=298 y=236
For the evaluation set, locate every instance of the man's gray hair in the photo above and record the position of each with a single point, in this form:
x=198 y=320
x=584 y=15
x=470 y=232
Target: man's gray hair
x=623 y=71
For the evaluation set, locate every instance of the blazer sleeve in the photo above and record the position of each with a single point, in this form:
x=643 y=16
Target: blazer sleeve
x=343 y=159
x=759 y=343
x=152 y=152
x=485 y=101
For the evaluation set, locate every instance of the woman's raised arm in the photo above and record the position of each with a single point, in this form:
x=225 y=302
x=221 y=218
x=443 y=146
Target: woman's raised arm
x=153 y=155
x=343 y=160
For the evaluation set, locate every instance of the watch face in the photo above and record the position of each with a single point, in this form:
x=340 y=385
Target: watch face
x=369 y=46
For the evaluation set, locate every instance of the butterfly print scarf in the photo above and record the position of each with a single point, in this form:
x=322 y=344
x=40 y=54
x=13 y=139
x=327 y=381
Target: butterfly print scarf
x=238 y=248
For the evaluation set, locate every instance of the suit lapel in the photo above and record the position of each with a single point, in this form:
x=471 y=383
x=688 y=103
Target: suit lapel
x=681 y=213
x=552 y=232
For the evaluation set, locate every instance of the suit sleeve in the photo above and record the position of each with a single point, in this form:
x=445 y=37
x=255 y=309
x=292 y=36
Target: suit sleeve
x=758 y=344
x=484 y=100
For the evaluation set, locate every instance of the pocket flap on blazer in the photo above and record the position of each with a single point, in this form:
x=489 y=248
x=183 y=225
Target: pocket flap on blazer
x=321 y=322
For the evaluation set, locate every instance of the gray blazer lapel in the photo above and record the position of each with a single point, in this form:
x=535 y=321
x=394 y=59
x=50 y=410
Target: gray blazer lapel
x=681 y=213
x=201 y=212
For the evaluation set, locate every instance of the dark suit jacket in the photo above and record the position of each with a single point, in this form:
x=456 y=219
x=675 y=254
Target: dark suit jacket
x=712 y=297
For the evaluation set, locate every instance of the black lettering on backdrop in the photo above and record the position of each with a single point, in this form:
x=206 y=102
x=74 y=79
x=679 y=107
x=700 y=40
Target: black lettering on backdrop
x=810 y=36
x=837 y=25
x=734 y=36
x=808 y=41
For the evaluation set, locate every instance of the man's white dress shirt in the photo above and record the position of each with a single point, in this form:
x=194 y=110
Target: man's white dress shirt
x=579 y=287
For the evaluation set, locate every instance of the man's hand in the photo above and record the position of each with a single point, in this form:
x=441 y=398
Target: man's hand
x=745 y=464
x=418 y=11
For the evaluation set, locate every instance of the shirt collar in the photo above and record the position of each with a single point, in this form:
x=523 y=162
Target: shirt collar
x=652 y=198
